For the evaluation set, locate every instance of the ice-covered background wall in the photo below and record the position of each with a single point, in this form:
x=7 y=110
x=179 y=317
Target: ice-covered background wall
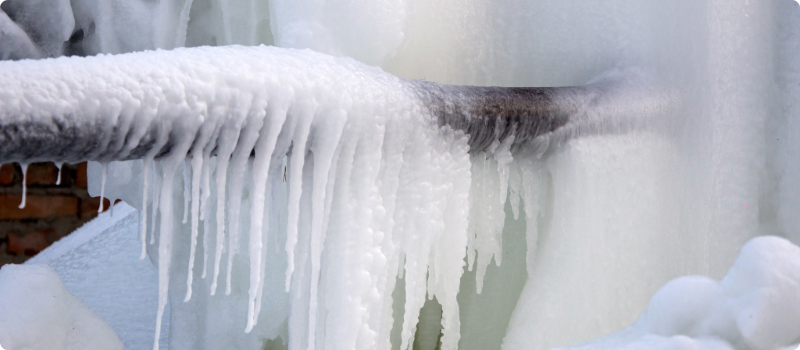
x=311 y=198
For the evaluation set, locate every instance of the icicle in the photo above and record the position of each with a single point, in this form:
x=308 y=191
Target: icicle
x=325 y=147
x=156 y=200
x=204 y=208
x=275 y=212
x=504 y=158
x=206 y=185
x=254 y=303
x=244 y=148
x=284 y=165
x=168 y=168
x=211 y=143
x=228 y=139
x=24 y=167
x=234 y=216
x=206 y=244
x=224 y=6
x=514 y=186
x=186 y=191
x=259 y=212
x=197 y=166
x=487 y=216
x=296 y=188
x=183 y=23
x=164 y=242
x=532 y=184
x=103 y=187
x=145 y=188
x=59 y=165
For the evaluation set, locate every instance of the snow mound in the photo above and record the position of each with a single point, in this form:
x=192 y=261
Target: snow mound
x=39 y=313
x=755 y=306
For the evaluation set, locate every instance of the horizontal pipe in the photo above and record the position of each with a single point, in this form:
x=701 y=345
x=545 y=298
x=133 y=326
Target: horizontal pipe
x=43 y=113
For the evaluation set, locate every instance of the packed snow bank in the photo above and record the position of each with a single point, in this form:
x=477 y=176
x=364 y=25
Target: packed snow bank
x=39 y=313
x=756 y=306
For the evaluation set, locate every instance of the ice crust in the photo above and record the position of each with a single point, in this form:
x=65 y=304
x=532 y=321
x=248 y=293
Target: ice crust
x=373 y=191
x=39 y=313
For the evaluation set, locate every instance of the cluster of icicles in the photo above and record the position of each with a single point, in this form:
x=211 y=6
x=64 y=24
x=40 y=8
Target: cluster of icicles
x=340 y=158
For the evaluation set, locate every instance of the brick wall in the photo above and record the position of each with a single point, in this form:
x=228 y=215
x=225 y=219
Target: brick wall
x=51 y=211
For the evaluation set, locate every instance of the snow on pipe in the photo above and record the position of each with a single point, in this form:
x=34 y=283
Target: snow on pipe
x=55 y=110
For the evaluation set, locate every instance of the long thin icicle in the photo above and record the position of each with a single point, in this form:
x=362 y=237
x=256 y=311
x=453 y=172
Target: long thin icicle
x=296 y=187
x=183 y=24
x=197 y=168
x=323 y=158
x=186 y=190
x=156 y=200
x=145 y=189
x=263 y=151
x=204 y=212
x=164 y=243
x=244 y=147
x=24 y=167
x=204 y=198
x=227 y=141
x=169 y=166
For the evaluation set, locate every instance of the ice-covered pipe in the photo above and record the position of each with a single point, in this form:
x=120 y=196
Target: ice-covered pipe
x=131 y=106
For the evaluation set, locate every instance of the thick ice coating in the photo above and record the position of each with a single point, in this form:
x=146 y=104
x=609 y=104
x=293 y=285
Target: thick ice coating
x=38 y=313
x=369 y=175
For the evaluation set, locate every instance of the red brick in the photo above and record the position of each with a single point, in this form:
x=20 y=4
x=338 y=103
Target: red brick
x=80 y=175
x=7 y=174
x=36 y=206
x=89 y=206
x=41 y=174
x=28 y=244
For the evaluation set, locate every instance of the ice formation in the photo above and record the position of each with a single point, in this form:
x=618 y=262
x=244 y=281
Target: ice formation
x=331 y=204
x=366 y=174
x=755 y=306
x=51 y=317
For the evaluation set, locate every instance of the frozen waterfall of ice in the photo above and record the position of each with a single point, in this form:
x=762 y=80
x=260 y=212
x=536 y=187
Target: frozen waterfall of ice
x=335 y=214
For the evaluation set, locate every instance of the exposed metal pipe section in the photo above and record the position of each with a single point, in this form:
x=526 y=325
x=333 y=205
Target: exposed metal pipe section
x=540 y=118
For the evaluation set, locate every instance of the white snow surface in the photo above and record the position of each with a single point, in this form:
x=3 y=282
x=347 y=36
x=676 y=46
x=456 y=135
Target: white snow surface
x=99 y=264
x=38 y=313
x=755 y=306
